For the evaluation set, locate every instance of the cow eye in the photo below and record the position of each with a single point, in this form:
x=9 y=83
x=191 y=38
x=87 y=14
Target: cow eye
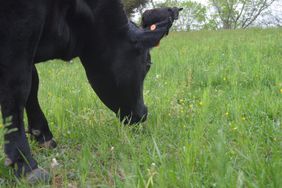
x=148 y=62
x=148 y=65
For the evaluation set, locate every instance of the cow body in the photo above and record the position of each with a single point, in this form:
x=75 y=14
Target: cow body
x=70 y=25
x=113 y=51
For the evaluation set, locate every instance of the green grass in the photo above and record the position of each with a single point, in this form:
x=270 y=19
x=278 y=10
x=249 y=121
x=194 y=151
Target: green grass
x=215 y=102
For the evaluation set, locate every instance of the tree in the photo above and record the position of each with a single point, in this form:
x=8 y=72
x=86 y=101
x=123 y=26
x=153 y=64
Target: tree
x=235 y=14
x=193 y=15
x=131 y=5
x=272 y=17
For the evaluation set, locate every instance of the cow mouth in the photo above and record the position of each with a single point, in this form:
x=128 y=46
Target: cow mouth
x=131 y=120
x=134 y=118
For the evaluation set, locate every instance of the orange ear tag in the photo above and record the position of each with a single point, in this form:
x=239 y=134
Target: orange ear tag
x=153 y=27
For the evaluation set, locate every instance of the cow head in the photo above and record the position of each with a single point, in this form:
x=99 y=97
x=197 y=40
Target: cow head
x=117 y=65
x=175 y=12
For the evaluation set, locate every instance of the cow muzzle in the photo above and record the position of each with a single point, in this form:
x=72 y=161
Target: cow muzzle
x=139 y=116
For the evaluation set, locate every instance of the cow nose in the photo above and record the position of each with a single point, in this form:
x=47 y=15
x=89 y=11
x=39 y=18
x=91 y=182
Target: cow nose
x=138 y=117
x=143 y=115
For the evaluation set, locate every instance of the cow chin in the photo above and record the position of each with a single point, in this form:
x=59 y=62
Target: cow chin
x=129 y=117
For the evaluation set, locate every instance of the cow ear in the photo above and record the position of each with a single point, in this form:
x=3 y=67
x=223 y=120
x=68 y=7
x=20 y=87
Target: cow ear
x=150 y=37
x=180 y=9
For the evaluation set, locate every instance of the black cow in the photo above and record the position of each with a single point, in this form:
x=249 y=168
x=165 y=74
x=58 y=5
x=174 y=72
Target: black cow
x=157 y=15
x=113 y=51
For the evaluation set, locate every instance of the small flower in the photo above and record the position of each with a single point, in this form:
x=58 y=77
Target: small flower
x=201 y=103
x=227 y=113
x=181 y=101
x=243 y=118
x=191 y=106
x=54 y=163
x=1 y=126
x=281 y=90
x=224 y=78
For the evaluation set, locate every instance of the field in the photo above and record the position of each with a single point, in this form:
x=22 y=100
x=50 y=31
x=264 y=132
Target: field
x=215 y=102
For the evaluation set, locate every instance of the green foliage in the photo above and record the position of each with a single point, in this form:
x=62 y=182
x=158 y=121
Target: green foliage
x=218 y=14
x=193 y=15
x=215 y=103
x=235 y=14
x=130 y=5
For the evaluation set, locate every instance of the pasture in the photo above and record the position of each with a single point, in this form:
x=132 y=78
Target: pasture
x=215 y=114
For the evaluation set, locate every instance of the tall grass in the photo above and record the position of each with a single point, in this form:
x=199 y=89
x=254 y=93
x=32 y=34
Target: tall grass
x=215 y=102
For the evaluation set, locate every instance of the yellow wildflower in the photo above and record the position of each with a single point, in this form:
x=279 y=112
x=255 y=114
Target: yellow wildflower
x=281 y=90
x=227 y=113
x=201 y=103
x=181 y=101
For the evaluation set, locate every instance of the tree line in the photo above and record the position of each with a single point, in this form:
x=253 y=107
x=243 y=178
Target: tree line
x=215 y=14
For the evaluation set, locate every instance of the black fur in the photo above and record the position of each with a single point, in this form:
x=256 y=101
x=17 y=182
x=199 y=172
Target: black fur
x=157 y=15
x=114 y=53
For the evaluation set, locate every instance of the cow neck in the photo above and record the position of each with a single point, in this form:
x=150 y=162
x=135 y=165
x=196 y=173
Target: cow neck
x=68 y=32
x=110 y=23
